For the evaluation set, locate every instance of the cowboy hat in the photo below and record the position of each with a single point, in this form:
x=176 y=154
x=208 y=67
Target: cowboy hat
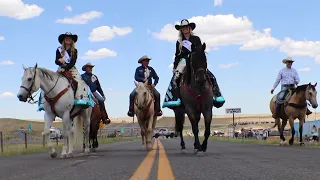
x=144 y=58
x=185 y=22
x=288 y=59
x=74 y=37
x=88 y=64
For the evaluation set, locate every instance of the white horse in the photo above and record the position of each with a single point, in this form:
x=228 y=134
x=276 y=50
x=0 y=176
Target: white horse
x=144 y=110
x=59 y=96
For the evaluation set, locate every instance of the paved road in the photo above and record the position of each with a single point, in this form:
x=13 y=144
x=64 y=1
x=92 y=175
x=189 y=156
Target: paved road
x=125 y=160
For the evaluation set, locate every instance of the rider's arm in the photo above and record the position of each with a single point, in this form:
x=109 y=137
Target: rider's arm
x=99 y=89
x=137 y=77
x=296 y=77
x=72 y=61
x=277 y=80
x=155 y=77
x=58 y=56
x=177 y=56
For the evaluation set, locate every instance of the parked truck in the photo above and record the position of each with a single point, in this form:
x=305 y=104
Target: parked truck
x=164 y=132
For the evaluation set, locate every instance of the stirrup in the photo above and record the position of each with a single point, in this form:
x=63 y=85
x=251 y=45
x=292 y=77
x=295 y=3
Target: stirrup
x=171 y=103
x=220 y=99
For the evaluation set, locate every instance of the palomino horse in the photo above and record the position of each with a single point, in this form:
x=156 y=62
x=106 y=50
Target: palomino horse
x=144 y=110
x=58 y=91
x=196 y=97
x=295 y=107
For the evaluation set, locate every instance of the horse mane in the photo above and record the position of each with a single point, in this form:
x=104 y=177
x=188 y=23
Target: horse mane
x=47 y=73
x=302 y=88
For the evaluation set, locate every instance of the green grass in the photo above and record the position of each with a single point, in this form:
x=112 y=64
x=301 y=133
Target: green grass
x=274 y=141
x=19 y=149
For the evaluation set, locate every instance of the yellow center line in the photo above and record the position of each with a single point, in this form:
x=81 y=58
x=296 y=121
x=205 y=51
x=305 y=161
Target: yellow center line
x=144 y=169
x=164 y=168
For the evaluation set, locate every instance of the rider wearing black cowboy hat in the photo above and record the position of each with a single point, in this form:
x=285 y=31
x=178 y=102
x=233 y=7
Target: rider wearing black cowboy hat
x=183 y=50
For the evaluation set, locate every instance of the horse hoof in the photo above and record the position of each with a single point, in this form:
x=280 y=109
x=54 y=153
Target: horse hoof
x=195 y=150
x=53 y=155
x=63 y=156
x=302 y=144
x=183 y=151
x=200 y=153
x=87 y=151
x=70 y=155
x=144 y=148
x=285 y=143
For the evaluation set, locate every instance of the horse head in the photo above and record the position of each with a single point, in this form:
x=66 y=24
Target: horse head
x=311 y=94
x=199 y=63
x=142 y=99
x=30 y=83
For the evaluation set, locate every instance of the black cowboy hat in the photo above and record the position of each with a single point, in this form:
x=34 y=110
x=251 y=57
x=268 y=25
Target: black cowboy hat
x=144 y=58
x=74 y=37
x=185 y=22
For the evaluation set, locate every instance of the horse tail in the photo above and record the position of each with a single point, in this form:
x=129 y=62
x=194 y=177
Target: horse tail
x=276 y=123
x=78 y=131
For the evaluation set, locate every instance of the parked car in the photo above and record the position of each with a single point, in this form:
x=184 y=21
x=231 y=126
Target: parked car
x=55 y=133
x=164 y=132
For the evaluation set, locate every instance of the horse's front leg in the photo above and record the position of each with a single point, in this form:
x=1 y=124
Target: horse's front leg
x=49 y=117
x=149 y=134
x=291 y=122
x=207 y=121
x=194 y=119
x=67 y=135
x=301 y=122
x=86 y=124
x=179 y=117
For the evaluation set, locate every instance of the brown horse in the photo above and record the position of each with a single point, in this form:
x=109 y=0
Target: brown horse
x=295 y=106
x=145 y=112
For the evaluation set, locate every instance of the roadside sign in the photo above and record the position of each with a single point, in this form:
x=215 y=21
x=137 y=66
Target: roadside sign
x=233 y=110
x=122 y=130
x=29 y=127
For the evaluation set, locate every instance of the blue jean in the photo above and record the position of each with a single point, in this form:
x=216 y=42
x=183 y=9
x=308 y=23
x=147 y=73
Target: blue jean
x=99 y=98
x=284 y=88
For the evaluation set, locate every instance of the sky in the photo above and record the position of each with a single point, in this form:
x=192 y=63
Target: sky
x=246 y=42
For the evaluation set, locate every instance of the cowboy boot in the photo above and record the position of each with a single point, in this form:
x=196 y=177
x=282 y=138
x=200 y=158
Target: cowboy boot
x=308 y=112
x=278 y=110
x=130 y=112
x=157 y=106
x=105 y=118
x=218 y=98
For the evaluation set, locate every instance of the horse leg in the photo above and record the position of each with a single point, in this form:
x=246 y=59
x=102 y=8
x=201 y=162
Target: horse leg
x=71 y=137
x=143 y=138
x=179 y=117
x=194 y=118
x=149 y=133
x=49 y=117
x=301 y=121
x=207 y=121
x=291 y=122
x=281 y=129
x=66 y=134
x=86 y=124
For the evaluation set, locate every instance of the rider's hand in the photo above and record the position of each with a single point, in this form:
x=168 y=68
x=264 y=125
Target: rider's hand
x=104 y=98
x=272 y=91
x=297 y=82
x=61 y=60
x=61 y=70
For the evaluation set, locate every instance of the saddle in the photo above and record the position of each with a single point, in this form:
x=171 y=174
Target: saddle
x=288 y=94
x=73 y=83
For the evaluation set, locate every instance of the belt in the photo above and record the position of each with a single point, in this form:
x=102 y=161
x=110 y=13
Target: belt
x=288 y=85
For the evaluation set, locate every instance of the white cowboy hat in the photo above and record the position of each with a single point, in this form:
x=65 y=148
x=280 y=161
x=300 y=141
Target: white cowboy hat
x=288 y=59
x=86 y=65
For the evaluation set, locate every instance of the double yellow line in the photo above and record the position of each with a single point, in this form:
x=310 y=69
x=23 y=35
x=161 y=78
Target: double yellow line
x=164 y=168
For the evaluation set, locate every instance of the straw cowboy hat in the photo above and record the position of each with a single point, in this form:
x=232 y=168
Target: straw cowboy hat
x=288 y=59
x=185 y=22
x=144 y=58
x=74 y=37
x=87 y=65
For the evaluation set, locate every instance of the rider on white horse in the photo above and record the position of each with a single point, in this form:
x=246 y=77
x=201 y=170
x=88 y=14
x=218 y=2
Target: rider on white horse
x=95 y=87
x=183 y=51
x=66 y=58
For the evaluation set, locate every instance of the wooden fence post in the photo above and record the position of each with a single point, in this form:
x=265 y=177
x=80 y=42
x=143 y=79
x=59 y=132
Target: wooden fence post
x=25 y=140
x=1 y=140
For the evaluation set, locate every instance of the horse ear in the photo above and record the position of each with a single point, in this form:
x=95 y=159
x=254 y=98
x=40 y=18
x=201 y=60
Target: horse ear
x=24 y=67
x=315 y=84
x=36 y=66
x=135 y=83
x=204 y=46
x=146 y=83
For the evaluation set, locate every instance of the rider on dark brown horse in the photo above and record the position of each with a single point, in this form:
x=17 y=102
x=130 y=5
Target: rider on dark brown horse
x=146 y=73
x=183 y=49
x=94 y=84
x=289 y=77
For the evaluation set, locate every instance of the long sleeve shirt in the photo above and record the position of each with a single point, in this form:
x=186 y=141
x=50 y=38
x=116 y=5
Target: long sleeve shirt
x=72 y=62
x=148 y=73
x=287 y=76
x=93 y=82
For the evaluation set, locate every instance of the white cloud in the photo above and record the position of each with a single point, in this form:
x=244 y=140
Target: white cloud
x=223 y=30
x=2 y=38
x=226 y=66
x=68 y=8
x=16 y=9
x=104 y=33
x=83 y=18
x=6 y=63
x=306 y=69
x=218 y=2
x=99 y=54
x=6 y=94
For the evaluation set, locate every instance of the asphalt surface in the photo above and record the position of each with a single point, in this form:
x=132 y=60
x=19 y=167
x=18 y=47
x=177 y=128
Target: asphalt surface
x=123 y=160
